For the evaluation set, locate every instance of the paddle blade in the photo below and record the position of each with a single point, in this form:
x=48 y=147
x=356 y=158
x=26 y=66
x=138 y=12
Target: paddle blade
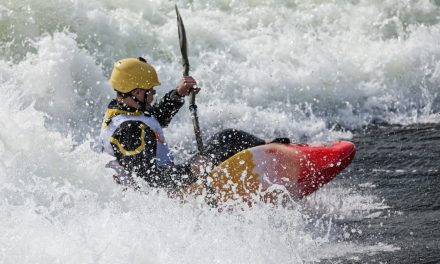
x=183 y=45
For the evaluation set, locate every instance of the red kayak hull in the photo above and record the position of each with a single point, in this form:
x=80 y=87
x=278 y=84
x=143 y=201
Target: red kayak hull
x=264 y=172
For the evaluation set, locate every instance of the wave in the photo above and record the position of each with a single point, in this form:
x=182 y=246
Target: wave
x=312 y=71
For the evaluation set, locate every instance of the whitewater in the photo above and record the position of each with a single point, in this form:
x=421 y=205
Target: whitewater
x=313 y=71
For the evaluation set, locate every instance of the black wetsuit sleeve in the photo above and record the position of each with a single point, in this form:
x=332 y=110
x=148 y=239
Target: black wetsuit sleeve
x=167 y=107
x=138 y=155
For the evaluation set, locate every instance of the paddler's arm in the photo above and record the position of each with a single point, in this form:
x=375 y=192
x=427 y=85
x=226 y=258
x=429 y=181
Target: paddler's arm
x=170 y=104
x=167 y=107
x=138 y=155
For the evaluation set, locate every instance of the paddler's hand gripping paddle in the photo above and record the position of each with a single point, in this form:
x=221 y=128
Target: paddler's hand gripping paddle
x=192 y=95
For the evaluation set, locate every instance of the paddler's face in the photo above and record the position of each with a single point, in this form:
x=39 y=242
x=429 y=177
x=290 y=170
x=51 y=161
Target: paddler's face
x=150 y=96
x=147 y=95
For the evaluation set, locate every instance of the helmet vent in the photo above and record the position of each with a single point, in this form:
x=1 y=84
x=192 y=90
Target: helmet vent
x=142 y=59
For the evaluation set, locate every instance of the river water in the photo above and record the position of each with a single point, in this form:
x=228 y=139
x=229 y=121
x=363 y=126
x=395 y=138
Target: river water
x=314 y=71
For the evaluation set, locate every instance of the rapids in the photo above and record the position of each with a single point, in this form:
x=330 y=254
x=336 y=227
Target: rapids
x=313 y=71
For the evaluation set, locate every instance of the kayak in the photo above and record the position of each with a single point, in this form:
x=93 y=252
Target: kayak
x=264 y=172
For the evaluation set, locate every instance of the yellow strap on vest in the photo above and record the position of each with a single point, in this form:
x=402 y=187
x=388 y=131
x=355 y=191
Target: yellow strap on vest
x=114 y=112
x=126 y=152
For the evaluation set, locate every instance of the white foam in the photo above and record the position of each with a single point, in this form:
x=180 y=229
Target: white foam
x=276 y=68
x=345 y=203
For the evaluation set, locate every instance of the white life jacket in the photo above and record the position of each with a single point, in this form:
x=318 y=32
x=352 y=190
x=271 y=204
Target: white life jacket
x=163 y=154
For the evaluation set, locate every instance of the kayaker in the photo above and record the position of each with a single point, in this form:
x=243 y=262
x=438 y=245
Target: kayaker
x=132 y=130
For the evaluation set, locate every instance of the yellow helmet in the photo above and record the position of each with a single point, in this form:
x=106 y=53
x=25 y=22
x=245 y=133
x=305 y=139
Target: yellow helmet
x=131 y=73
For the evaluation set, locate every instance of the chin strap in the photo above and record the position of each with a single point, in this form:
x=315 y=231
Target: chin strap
x=142 y=104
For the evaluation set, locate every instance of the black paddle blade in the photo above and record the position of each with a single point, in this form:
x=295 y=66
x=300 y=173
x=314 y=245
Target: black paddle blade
x=183 y=46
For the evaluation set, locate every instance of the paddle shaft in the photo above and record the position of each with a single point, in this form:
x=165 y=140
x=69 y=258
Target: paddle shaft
x=192 y=95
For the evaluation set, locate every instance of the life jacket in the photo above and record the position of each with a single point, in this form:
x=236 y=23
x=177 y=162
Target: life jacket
x=115 y=117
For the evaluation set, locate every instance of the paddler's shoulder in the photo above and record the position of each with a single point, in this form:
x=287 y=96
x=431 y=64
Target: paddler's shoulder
x=116 y=108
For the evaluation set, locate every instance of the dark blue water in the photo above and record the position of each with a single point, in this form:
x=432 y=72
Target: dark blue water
x=403 y=165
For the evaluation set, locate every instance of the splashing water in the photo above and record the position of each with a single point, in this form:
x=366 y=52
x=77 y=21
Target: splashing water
x=310 y=71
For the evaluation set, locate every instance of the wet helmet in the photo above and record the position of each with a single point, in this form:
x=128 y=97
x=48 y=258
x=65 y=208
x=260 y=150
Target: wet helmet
x=131 y=73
